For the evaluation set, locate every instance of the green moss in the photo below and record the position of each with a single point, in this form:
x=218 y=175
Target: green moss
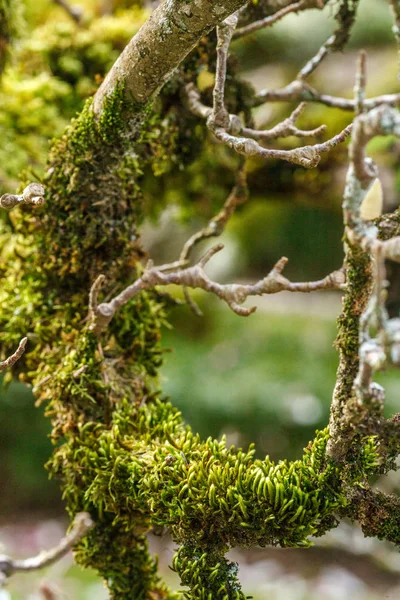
x=358 y=282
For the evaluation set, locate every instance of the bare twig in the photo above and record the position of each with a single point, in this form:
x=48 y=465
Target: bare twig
x=230 y=130
x=285 y=128
x=32 y=194
x=335 y=42
x=11 y=360
x=306 y=156
x=216 y=225
x=300 y=91
x=195 y=277
x=270 y=20
x=220 y=115
x=361 y=81
x=8 y=566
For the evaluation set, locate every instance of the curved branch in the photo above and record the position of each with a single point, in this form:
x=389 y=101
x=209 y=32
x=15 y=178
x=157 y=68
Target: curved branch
x=11 y=360
x=167 y=37
x=80 y=526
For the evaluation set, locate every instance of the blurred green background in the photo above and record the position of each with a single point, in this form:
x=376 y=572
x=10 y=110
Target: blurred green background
x=267 y=378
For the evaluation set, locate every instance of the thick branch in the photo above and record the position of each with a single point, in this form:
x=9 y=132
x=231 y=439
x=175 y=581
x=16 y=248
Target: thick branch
x=167 y=37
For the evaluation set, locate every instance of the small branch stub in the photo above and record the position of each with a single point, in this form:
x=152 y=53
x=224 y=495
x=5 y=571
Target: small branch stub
x=32 y=194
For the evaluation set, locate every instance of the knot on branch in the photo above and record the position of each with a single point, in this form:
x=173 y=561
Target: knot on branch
x=32 y=194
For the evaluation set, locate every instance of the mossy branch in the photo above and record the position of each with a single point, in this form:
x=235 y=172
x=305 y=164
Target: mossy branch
x=122 y=451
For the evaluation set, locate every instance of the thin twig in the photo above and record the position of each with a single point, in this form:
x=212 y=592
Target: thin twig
x=11 y=360
x=32 y=194
x=268 y=21
x=219 y=114
x=8 y=566
x=195 y=277
x=361 y=81
x=298 y=91
x=346 y=17
x=216 y=225
x=306 y=156
x=285 y=128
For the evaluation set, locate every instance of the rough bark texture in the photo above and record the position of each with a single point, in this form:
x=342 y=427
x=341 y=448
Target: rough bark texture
x=172 y=31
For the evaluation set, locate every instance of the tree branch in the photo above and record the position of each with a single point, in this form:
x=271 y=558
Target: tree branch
x=11 y=360
x=299 y=91
x=32 y=194
x=270 y=20
x=306 y=156
x=81 y=525
x=195 y=277
x=167 y=37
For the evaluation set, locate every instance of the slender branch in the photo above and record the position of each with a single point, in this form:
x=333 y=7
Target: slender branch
x=345 y=16
x=270 y=20
x=195 y=277
x=216 y=225
x=81 y=525
x=298 y=91
x=361 y=82
x=11 y=360
x=227 y=128
x=32 y=194
x=285 y=128
x=306 y=156
x=225 y=31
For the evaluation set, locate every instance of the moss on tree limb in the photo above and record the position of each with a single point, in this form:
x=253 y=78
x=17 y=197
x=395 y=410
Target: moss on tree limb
x=122 y=451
